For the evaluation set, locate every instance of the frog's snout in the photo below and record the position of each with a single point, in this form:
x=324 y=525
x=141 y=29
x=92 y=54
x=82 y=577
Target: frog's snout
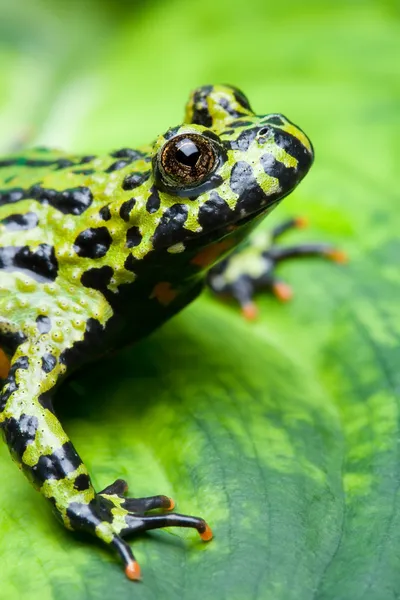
x=293 y=155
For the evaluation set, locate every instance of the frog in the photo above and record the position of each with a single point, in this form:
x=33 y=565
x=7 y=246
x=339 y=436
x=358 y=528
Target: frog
x=98 y=251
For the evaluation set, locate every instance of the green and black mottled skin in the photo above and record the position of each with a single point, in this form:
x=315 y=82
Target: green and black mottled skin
x=98 y=251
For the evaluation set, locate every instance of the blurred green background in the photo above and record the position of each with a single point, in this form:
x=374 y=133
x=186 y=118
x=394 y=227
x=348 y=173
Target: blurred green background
x=285 y=433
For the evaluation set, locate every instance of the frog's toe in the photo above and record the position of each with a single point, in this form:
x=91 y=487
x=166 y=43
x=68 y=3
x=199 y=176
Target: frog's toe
x=141 y=523
x=131 y=566
x=336 y=255
x=138 y=505
x=119 y=487
x=281 y=290
x=142 y=505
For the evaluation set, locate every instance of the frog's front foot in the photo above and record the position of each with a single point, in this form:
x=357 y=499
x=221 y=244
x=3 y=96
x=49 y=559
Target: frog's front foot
x=111 y=517
x=252 y=267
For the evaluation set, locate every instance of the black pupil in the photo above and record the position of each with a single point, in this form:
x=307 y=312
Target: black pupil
x=187 y=152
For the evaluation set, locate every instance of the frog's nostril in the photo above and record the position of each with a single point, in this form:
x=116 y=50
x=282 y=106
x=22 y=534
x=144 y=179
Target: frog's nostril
x=264 y=131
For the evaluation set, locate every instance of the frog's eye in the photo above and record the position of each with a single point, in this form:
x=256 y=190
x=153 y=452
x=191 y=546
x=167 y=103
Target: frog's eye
x=187 y=159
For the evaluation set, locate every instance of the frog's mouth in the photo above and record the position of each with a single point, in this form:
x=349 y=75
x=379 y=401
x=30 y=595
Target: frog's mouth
x=251 y=219
x=264 y=210
x=238 y=224
x=238 y=228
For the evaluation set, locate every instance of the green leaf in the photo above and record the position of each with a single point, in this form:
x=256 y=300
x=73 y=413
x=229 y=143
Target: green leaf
x=284 y=434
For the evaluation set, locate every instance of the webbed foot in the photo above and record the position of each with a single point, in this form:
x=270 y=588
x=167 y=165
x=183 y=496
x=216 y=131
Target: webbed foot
x=252 y=267
x=111 y=517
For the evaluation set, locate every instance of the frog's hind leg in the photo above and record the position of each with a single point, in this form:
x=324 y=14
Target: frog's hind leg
x=39 y=444
x=252 y=267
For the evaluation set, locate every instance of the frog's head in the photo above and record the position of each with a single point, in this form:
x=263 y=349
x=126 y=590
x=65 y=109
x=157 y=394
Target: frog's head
x=218 y=174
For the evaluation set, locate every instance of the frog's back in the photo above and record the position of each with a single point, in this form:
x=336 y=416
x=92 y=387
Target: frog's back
x=55 y=220
x=52 y=187
x=50 y=198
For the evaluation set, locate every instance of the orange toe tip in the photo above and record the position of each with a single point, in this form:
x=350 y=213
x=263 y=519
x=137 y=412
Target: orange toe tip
x=338 y=256
x=207 y=534
x=132 y=571
x=301 y=222
x=282 y=291
x=250 y=311
x=171 y=505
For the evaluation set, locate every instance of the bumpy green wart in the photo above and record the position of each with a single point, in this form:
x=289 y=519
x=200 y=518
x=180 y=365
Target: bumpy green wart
x=98 y=251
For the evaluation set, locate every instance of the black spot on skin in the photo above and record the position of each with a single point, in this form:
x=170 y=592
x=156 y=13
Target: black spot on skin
x=62 y=163
x=295 y=148
x=125 y=210
x=97 y=279
x=10 y=162
x=288 y=176
x=78 y=353
x=56 y=465
x=84 y=171
x=242 y=123
x=244 y=183
x=82 y=482
x=244 y=139
x=57 y=163
x=117 y=165
x=131 y=263
x=45 y=400
x=129 y=153
x=93 y=242
x=43 y=324
x=153 y=201
x=201 y=115
x=105 y=213
x=227 y=106
x=48 y=362
x=11 y=385
x=11 y=196
x=19 y=433
x=274 y=120
x=170 y=228
x=87 y=159
x=171 y=132
x=73 y=201
x=215 y=209
x=241 y=99
x=10 y=340
x=19 y=222
x=133 y=237
x=134 y=180
x=40 y=264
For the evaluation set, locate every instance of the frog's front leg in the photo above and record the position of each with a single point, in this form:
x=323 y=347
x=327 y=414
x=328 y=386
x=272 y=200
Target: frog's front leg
x=252 y=266
x=40 y=446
